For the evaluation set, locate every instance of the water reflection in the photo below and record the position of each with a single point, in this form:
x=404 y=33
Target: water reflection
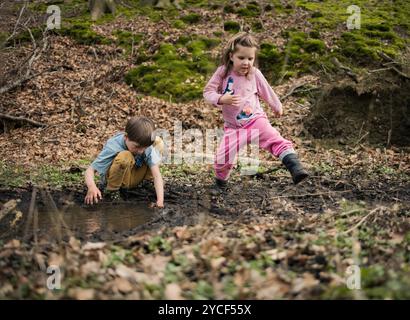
x=88 y=220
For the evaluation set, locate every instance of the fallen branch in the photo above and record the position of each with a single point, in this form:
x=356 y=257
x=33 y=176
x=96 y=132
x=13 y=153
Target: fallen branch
x=18 y=82
x=22 y=119
x=292 y=90
x=37 y=52
x=327 y=193
x=348 y=71
x=386 y=57
x=362 y=220
x=393 y=68
x=16 y=25
x=400 y=73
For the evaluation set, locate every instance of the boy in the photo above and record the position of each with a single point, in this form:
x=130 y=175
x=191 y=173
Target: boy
x=126 y=159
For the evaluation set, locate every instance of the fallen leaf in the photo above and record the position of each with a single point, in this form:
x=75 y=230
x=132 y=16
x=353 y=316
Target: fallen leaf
x=81 y=294
x=173 y=292
x=122 y=285
x=93 y=246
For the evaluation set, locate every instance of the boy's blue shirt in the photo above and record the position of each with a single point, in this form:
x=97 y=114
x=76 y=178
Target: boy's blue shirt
x=115 y=145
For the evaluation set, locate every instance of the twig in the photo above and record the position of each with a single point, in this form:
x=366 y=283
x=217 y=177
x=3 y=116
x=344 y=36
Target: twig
x=362 y=137
x=292 y=89
x=392 y=61
x=314 y=194
x=17 y=23
x=386 y=57
x=392 y=69
x=261 y=174
x=379 y=70
x=362 y=220
x=348 y=71
x=400 y=73
x=37 y=52
x=19 y=82
x=13 y=118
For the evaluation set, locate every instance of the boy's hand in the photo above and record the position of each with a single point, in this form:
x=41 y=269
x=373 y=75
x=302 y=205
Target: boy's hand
x=229 y=99
x=93 y=195
x=158 y=205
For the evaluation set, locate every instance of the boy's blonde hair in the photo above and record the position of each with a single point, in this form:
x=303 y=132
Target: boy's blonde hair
x=244 y=39
x=141 y=130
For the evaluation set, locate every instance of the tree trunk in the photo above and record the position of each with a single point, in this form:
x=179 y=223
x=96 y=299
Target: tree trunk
x=160 y=3
x=99 y=7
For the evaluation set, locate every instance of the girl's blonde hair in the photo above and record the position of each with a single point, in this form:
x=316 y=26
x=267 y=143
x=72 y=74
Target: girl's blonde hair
x=244 y=39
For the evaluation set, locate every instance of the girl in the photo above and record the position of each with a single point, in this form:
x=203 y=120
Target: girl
x=236 y=87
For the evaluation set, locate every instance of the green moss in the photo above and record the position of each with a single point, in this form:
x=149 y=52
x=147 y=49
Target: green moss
x=55 y=176
x=268 y=53
x=172 y=76
x=270 y=61
x=314 y=45
x=79 y=7
x=257 y=26
x=179 y=24
x=378 y=32
x=232 y=26
x=218 y=33
x=251 y=10
x=317 y=14
x=183 y=40
x=304 y=53
x=191 y=18
x=376 y=27
x=354 y=46
x=82 y=33
x=25 y=36
x=229 y=9
x=315 y=34
x=210 y=43
x=127 y=39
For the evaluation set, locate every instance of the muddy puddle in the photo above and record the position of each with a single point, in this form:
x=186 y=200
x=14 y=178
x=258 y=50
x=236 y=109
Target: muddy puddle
x=43 y=218
x=86 y=221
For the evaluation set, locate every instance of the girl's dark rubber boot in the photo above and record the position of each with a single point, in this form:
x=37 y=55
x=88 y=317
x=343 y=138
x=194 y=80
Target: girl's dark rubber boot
x=292 y=163
x=221 y=184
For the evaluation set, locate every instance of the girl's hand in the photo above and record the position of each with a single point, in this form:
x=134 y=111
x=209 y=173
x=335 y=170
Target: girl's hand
x=278 y=114
x=93 y=195
x=229 y=99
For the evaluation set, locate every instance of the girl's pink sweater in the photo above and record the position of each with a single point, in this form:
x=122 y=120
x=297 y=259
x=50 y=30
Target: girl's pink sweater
x=249 y=88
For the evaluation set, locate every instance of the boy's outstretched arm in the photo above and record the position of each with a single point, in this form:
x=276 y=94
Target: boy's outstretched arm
x=93 y=193
x=158 y=184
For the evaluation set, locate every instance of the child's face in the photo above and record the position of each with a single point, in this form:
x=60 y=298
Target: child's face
x=243 y=59
x=134 y=147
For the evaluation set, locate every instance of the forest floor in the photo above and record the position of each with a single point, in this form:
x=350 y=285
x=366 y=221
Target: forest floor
x=263 y=238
